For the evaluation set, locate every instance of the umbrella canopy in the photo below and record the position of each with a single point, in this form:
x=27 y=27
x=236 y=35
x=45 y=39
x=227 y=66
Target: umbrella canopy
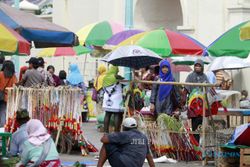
x=12 y=43
x=241 y=135
x=166 y=43
x=229 y=44
x=178 y=68
x=132 y=56
x=228 y=63
x=245 y=31
x=98 y=33
x=64 y=51
x=189 y=60
x=121 y=36
x=43 y=33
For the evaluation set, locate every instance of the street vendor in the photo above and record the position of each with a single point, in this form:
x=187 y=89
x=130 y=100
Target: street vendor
x=165 y=98
x=39 y=149
x=21 y=135
x=197 y=76
x=112 y=100
x=127 y=148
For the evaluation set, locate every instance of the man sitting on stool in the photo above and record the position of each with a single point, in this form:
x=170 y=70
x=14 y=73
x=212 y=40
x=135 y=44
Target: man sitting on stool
x=127 y=148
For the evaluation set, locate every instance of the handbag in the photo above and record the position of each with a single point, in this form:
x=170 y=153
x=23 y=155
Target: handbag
x=2 y=92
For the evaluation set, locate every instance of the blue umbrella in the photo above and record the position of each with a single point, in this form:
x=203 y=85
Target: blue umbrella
x=43 y=33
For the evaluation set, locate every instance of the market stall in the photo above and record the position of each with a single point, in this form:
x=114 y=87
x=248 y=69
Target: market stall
x=58 y=108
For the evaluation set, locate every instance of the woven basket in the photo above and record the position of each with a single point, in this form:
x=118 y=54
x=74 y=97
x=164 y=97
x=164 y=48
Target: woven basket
x=222 y=137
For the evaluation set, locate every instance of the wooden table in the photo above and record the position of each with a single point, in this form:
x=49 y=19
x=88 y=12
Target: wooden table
x=234 y=112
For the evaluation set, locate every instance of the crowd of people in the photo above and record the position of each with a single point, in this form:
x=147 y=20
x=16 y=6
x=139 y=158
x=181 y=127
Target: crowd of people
x=33 y=143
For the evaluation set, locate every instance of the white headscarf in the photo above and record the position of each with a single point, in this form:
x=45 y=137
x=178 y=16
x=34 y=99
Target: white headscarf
x=37 y=132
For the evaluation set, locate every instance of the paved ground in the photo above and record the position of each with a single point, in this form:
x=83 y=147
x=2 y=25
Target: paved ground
x=94 y=137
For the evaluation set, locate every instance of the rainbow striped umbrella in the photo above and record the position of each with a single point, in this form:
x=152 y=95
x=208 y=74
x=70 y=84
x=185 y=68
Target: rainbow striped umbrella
x=12 y=43
x=98 y=33
x=166 y=43
x=230 y=44
x=64 y=51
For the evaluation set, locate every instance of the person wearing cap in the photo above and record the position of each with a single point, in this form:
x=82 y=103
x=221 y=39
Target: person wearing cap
x=197 y=76
x=21 y=135
x=32 y=76
x=127 y=148
x=47 y=75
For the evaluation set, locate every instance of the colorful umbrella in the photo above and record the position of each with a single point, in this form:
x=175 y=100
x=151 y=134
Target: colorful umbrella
x=241 y=135
x=229 y=44
x=64 y=51
x=121 y=36
x=166 y=43
x=178 y=68
x=132 y=56
x=43 y=33
x=245 y=31
x=98 y=33
x=189 y=60
x=12 y=43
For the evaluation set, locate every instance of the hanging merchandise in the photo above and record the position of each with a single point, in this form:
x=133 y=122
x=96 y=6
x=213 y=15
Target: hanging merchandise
x=171 y=137
x=58 y=108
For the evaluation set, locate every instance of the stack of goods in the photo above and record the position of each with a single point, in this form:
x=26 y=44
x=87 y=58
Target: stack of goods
x=58 y=108
x=169 y=137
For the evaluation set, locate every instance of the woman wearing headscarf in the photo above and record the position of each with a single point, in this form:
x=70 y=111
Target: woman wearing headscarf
x=7 y=79
x=112 y=101
x=197 y=76
x=39 y=149
x=75 y=78
x=98 y=86
x=165 y=98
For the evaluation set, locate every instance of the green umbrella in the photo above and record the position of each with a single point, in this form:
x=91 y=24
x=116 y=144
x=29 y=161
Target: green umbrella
x=229 y=44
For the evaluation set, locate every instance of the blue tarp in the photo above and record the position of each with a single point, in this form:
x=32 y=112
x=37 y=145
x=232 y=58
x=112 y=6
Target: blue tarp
x=43 y=33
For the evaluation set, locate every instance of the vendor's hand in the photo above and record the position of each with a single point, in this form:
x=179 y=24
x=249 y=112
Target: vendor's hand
x=152 y=108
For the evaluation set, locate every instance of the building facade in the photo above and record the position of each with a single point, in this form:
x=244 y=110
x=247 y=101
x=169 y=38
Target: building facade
x=204 y=20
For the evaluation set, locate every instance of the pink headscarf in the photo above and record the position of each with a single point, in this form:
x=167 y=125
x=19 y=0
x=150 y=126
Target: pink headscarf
x=37 y=132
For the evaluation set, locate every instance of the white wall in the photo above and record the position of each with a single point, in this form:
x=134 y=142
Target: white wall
x=79 y=13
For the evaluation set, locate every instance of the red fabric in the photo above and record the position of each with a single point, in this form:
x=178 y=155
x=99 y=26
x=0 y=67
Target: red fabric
x=22 y=71
x=182 y=44
x=244 y=138
x=50 y=163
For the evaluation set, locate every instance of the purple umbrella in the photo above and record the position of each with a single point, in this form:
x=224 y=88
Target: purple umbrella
x=121 y=36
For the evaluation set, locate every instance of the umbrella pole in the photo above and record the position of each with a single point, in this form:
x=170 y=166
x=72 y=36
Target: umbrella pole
x=84 y=67
x=204 y=162
x=63 y=63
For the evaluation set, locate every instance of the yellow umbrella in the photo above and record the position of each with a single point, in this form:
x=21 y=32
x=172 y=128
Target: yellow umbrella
x=245 y=31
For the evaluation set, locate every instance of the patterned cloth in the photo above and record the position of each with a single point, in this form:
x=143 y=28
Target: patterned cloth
x=47 y=76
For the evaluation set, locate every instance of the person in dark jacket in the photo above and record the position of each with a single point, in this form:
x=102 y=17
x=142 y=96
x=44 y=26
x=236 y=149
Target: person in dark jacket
x=197 y=76
x=125 y=149
x=165 y=98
